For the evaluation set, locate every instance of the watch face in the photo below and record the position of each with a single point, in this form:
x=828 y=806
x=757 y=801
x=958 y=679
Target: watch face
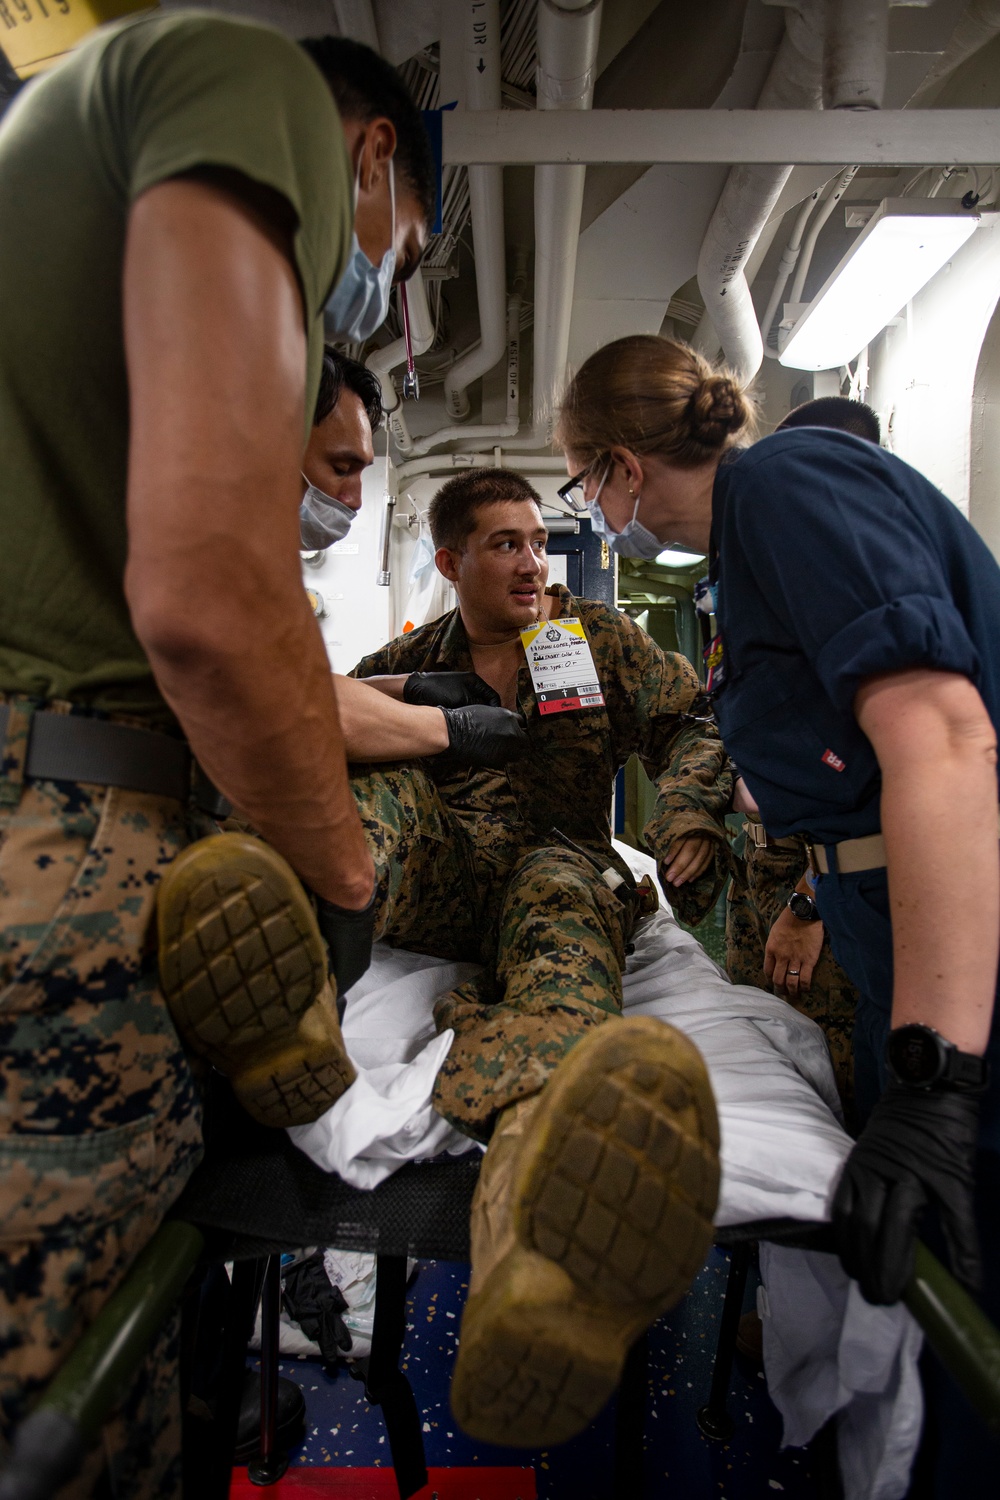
x=802 y=906
x=914 y=1054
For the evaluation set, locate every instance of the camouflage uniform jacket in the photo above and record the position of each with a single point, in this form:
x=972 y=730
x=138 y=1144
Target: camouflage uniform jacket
x=653 y=709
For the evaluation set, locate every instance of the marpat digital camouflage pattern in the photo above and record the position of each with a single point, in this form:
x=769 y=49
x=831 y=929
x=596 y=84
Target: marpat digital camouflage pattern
x=762 y=883
x=469 y=865
x=100 y=1124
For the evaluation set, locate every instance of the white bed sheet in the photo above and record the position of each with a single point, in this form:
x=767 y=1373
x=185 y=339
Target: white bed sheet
x=782 y=1150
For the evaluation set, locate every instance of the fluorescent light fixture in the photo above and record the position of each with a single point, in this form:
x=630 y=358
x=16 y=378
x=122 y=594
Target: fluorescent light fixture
x=904 y=243
x=671 y=559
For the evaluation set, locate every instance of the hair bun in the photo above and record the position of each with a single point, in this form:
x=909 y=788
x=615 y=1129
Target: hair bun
x=716 y=409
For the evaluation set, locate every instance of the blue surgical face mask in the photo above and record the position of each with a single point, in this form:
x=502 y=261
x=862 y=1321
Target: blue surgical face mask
x=360 y=300
x=634 y=539
x=322 y=520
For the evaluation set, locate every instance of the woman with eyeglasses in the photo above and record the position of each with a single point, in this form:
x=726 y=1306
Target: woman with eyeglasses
x=856 y=681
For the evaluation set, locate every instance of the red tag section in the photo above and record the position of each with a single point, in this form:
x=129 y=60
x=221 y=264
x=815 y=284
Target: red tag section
x=833 y=761
x=335 y=1483
x=560 y=700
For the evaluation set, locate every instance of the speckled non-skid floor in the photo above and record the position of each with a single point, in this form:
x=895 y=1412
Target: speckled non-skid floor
x=345 y=1434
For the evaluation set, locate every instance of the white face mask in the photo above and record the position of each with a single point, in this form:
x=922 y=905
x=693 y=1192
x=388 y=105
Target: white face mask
x=322 y=520
x=360 y=300
x=634 y=539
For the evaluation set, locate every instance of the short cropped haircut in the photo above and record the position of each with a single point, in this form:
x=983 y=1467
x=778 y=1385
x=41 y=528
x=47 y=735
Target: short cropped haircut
x=365 y=86
x=339 y=372
x=453 y=509
x=837 y=412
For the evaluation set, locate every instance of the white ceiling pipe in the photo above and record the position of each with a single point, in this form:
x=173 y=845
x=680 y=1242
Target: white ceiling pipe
x=481 y=22
x=506 y=429
x=826 y=209
x=383 y=360
x=568 y=35
x=451 y=463
x=854 y=54
x=749 y=199
x=786 y=266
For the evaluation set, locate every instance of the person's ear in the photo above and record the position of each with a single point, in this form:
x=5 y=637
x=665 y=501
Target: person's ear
x=375 y=146
x=631 y=466
x=448 y=563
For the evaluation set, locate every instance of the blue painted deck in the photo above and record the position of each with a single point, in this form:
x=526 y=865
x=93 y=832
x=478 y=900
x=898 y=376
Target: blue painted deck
x=344 y=1432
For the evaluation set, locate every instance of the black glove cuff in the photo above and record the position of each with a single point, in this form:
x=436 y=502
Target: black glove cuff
x=349 y=936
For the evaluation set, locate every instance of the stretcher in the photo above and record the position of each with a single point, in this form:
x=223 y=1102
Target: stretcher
x=259 y=1193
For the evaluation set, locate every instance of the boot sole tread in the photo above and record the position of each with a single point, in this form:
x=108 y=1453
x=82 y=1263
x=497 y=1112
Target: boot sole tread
x=622 y=1188
x=618 y=1190
x=241 y=966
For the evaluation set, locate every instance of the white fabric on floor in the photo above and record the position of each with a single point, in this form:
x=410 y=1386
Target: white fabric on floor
x=782 y=1149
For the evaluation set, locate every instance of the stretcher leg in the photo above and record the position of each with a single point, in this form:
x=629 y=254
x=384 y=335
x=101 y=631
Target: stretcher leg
x=714 y=1420
x=385 y=1383
x=248 y=1277
x=272 y=1463
x=630 y=1422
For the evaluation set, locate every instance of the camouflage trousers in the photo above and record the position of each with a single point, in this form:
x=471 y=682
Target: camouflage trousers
x=549 y=932
x=99 y=1117
x=761 y=885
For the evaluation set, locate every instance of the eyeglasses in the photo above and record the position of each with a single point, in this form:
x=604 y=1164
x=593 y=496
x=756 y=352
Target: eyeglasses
x=572 y=490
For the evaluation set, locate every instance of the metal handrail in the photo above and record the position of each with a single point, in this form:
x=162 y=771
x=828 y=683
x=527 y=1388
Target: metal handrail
x=49 y=1445
x=959 y=1332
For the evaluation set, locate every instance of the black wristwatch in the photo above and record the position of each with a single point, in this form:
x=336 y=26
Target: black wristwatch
x=921 y=1058
x=802 y=906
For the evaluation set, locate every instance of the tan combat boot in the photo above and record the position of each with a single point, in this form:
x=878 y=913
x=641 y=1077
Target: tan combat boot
x=243 y=970
x=592 y=1216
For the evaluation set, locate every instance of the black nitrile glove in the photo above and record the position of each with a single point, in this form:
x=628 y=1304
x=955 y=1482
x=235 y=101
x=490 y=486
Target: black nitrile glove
x=448 y=690
x=917 y=1150
x=483 y=736
x=349 y=936
x=309 y=1297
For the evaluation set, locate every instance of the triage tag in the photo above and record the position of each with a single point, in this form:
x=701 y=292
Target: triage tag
x=562 y=667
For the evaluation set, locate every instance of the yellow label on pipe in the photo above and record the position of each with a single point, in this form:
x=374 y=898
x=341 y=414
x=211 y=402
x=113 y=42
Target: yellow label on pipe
x=36 y=33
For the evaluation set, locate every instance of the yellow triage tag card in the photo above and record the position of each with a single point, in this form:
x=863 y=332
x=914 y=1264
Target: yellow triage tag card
x=562 y=666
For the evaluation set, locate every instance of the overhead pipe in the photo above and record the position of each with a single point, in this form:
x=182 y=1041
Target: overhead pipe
x=789 y=258
x=481 y=20
x=854 y=54
x=504 y=429
x=452 y=463
x=568 y=35
x=826 y=209
x=382 y=361
x=750 y=197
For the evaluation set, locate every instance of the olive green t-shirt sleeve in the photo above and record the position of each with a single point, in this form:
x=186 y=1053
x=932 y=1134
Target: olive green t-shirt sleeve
x=185 y=91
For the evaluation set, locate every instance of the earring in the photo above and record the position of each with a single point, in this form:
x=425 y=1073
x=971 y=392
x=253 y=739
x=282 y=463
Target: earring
x=631 y=492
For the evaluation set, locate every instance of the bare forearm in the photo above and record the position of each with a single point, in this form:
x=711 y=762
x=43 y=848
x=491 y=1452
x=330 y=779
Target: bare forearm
x=392 y=687
x=379 y=726
x=216 y=361
x=937 y=752
x=271 y=740
x=940 y=828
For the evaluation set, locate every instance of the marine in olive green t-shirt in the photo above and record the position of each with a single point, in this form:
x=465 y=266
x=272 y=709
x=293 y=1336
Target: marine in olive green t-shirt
x=135 y=104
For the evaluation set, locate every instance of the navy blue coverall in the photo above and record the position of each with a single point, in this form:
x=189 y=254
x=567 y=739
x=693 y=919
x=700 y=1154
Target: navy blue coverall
x=835 y=561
